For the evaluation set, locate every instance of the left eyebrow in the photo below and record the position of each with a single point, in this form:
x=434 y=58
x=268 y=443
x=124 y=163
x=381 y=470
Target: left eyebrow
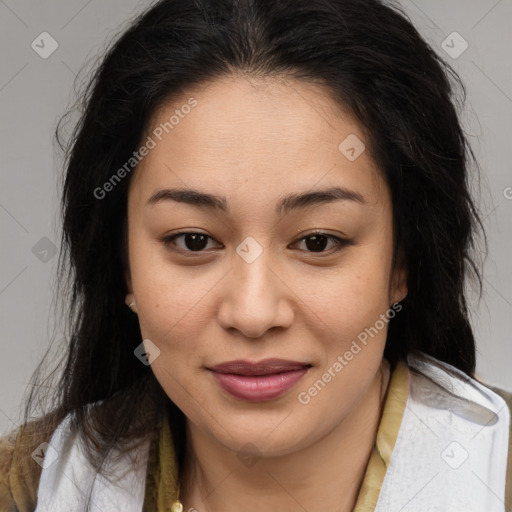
x=317 y=197
x=284 y=205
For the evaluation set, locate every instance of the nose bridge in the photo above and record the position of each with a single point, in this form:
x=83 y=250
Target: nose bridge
x=254 y=276
x=256 y=299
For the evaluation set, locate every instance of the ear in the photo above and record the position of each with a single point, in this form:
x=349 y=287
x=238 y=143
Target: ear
x=130 y=297
x=398 y=288
x=130 y=302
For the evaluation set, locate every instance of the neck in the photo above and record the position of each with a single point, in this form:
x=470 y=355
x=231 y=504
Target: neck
x=325 y=475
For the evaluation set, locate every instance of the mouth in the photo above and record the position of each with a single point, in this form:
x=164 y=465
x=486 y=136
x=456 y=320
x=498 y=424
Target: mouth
x=258 y=381
x=264 y=367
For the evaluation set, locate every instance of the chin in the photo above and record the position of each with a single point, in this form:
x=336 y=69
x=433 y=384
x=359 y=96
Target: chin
x=263 y=438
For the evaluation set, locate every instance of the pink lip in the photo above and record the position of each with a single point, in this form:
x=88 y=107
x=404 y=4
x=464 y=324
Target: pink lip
x=259 y=381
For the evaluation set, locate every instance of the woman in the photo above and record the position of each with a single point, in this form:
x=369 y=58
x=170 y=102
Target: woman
x=268 y=226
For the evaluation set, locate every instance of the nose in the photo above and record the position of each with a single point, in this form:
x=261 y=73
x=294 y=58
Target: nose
x=256 y=297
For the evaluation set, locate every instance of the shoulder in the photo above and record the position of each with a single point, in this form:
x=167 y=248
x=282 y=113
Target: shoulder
x=21 y=455
x=69 y=469
x=34 y=456
x=507 y=397
x=432 y=372
x=6 y=455
x=475 y=414
x=438 y=385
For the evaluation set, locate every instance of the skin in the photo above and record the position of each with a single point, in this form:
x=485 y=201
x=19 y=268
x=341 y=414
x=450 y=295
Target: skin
x=254 y=141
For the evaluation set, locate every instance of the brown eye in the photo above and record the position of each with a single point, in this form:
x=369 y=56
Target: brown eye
x=192 y=242
x=317 y=242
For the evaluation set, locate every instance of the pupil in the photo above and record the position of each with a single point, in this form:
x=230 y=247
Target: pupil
x=319 y=242
x=193 y=242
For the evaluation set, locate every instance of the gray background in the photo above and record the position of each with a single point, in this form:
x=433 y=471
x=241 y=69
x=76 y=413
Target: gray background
x=35 y=92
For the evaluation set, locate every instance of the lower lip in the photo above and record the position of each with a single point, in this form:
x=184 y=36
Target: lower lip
x=259 y=388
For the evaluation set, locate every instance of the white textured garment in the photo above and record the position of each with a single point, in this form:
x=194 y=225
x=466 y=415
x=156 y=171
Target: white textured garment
x=451 y=451
x=65 y=483
x=450 y=454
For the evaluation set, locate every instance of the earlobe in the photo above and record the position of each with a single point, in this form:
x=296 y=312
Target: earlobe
x=400 y=289
x=130 y=302
x=398 y=298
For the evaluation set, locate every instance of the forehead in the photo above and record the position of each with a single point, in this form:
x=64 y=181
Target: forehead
x=264 y=137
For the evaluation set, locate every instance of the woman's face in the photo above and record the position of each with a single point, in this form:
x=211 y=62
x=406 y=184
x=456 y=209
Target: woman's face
x=255 y=283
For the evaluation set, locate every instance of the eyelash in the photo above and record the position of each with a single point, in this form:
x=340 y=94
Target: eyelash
x=168 y=242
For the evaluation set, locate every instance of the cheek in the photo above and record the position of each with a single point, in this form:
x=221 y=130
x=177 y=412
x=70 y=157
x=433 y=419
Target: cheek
x=350 y=312
x=174 y=315
x=170 y=298
x=352 y=297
